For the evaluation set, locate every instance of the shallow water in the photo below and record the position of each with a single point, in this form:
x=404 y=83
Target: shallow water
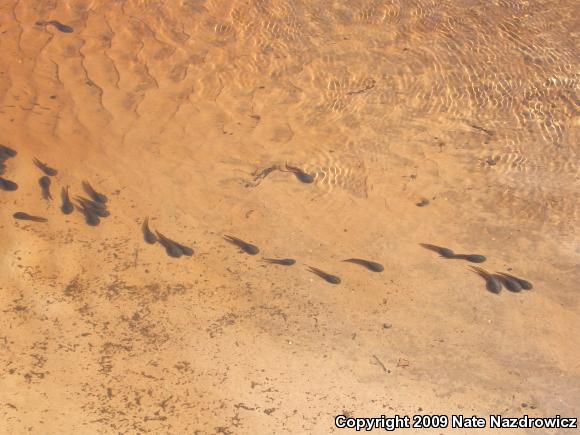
x=172 y=108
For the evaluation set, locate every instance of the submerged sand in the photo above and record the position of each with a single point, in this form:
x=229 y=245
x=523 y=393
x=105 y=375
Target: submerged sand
x=169 y=108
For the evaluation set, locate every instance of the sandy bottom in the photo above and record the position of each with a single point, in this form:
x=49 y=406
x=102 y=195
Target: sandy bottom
x=468 y=108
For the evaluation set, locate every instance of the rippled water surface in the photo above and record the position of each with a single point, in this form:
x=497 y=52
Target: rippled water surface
x=454 y=123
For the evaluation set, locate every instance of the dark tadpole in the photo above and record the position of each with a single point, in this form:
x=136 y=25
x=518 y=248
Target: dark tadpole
x=173 y=249
x=51 y=172
x=185 y=250
x=332 y=279
x=370 y=265
x=96 y=207
x=492 y=283
x=443 y=252
x=44 y=183
x=281 y=261
x=147 y=233
x=91 y=218
x=511 y=284
x=303 y=176
x=244 y=246
x=20 y=215
x=473 y=258
x=7 y=185
x=95 y=196
x=6 y=152
x=67 y=205
x=2 y=167
x=57 y=25
x=90 y=203
x=526 y=285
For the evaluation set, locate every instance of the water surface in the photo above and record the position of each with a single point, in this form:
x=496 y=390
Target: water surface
x=469 y=108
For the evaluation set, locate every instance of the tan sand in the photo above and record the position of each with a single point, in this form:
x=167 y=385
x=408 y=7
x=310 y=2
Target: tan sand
x=169 y=107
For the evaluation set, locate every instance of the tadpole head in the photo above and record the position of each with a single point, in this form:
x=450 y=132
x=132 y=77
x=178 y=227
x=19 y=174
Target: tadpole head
x=304 y=177
x=475 y=258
